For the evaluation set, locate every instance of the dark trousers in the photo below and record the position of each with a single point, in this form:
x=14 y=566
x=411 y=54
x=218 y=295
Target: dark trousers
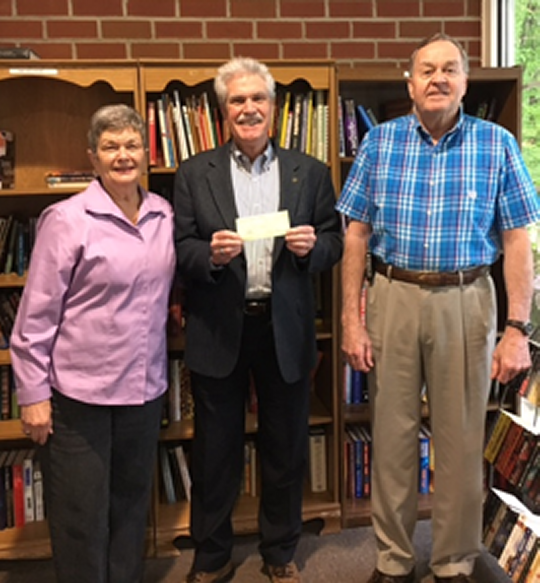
x=97 y=467
x=218 y=452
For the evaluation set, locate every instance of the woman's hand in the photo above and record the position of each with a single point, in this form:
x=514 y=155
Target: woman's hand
x=36 y=421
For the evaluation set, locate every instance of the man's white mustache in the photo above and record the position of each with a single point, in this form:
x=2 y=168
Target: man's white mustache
x=249 y=119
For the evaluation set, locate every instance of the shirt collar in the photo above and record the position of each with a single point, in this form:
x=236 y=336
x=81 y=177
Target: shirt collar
x=261 y=163
x=450 y=135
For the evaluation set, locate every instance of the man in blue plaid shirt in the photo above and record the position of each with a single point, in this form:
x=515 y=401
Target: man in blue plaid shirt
x=432 y=199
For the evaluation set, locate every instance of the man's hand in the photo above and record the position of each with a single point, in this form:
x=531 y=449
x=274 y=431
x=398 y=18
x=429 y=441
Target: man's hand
x=300 y=240
x=511 y=356
x=36 y=421
x=225 y=246
x=356 y=346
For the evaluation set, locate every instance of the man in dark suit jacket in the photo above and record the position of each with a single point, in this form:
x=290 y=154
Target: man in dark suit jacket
x=250 y=313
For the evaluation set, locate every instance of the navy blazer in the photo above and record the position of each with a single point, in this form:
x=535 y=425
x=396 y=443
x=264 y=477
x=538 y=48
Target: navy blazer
x=204 y=203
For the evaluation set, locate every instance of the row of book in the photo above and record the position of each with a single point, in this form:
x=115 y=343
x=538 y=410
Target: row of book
x=354 y=119
x=513 y=449
x=21 y=489
x=174 y=473
x=180 y=127
x=17 y=238
x=527 y=384
x=301 y=122
x=179 y=402
x=176 y=479
x=511 y=533
x=9 y=408
x=9 y=304
x=355 y=386
x=357 y=456
x=7 y=159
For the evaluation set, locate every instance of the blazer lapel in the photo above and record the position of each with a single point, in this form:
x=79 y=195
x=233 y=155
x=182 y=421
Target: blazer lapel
x=289 y=184
x=220 y=185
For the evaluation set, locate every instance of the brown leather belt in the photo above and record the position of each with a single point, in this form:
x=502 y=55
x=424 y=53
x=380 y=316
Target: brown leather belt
x=431 y=278
x=257 y=307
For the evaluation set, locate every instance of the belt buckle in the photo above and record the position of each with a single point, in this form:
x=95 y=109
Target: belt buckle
x=256 y=307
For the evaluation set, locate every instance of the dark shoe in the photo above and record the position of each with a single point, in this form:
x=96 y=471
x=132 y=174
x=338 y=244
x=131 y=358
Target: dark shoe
x=378 y=577
x=282 y=573
x=454 y=579
x=220 y=576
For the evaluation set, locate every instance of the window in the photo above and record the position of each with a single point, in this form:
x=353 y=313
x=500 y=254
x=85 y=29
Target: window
x=511 y=36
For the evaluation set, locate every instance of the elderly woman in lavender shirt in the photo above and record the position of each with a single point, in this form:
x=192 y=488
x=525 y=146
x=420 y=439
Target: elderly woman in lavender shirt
x=89 y=355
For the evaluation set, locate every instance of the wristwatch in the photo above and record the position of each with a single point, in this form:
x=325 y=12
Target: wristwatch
x=526 y=328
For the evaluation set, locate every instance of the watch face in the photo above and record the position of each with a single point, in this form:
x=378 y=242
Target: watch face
x=528 y=328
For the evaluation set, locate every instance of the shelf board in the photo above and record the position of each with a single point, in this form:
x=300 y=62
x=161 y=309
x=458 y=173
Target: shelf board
x=173 y=519
x=10 y=430
x=358 y=512
x=12 y=280
x=29 y=542
x=183 y=430
x=5 y=358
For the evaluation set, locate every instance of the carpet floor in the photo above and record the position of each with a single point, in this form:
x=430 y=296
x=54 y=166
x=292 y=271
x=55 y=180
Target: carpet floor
x=345 y=557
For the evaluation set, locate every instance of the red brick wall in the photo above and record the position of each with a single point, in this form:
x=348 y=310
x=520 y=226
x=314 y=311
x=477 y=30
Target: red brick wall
x=353 y=31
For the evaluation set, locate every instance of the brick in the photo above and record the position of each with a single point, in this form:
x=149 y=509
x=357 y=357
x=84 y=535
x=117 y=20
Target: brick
x=178 y=29
x=474 y=8
x=203 y=8
x=153 y=50
x=440 y=9
x=326 y=30
x=207 y=50
x=350 y=8
x=71 y=28
x=5 y=8
x=101 y=50
x=233 y=29
x=461 y=28
x=302 y=8
x=352 y=50
x=419 y=29
x=153 y=10
x=97 y=7
x=129 y=29
x=279 y=30
x=307 y=50
x=50 y=50
x=389 y=9
x=367 y=29
x=10 y=29
x=253 y=8
x=42 y=8
x=261 y=51
x=395 y=50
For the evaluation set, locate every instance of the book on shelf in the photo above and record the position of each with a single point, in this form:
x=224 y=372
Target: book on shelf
x=249 y=475
x=496 y=437
x=166 y=475
x=359 y=460
x=317 y=460
x=69 y=179
x=18 y=53
x=151 y=129
x=7 y=160
x=351 y=128
x=423 y=456
x=511 y=534
x=183 y=467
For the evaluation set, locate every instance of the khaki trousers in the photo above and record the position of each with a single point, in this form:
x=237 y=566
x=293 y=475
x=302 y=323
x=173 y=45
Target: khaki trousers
x=441 y=338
